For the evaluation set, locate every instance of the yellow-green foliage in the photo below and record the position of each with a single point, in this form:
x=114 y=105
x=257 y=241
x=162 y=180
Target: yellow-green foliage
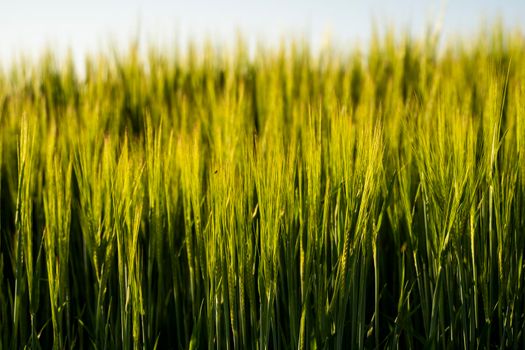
x=216 y=199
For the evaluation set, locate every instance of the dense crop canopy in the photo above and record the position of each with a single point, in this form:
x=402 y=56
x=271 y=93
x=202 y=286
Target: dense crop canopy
x=211 y=199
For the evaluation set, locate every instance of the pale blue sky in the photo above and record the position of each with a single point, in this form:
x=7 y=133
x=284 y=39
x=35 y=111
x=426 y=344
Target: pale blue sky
x=28 y=26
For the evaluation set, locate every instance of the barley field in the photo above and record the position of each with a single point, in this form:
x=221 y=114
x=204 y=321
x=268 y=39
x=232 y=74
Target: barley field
x=205 y=197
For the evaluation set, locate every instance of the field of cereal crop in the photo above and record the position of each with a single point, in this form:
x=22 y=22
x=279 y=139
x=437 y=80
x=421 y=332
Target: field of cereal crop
x=205 y=198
